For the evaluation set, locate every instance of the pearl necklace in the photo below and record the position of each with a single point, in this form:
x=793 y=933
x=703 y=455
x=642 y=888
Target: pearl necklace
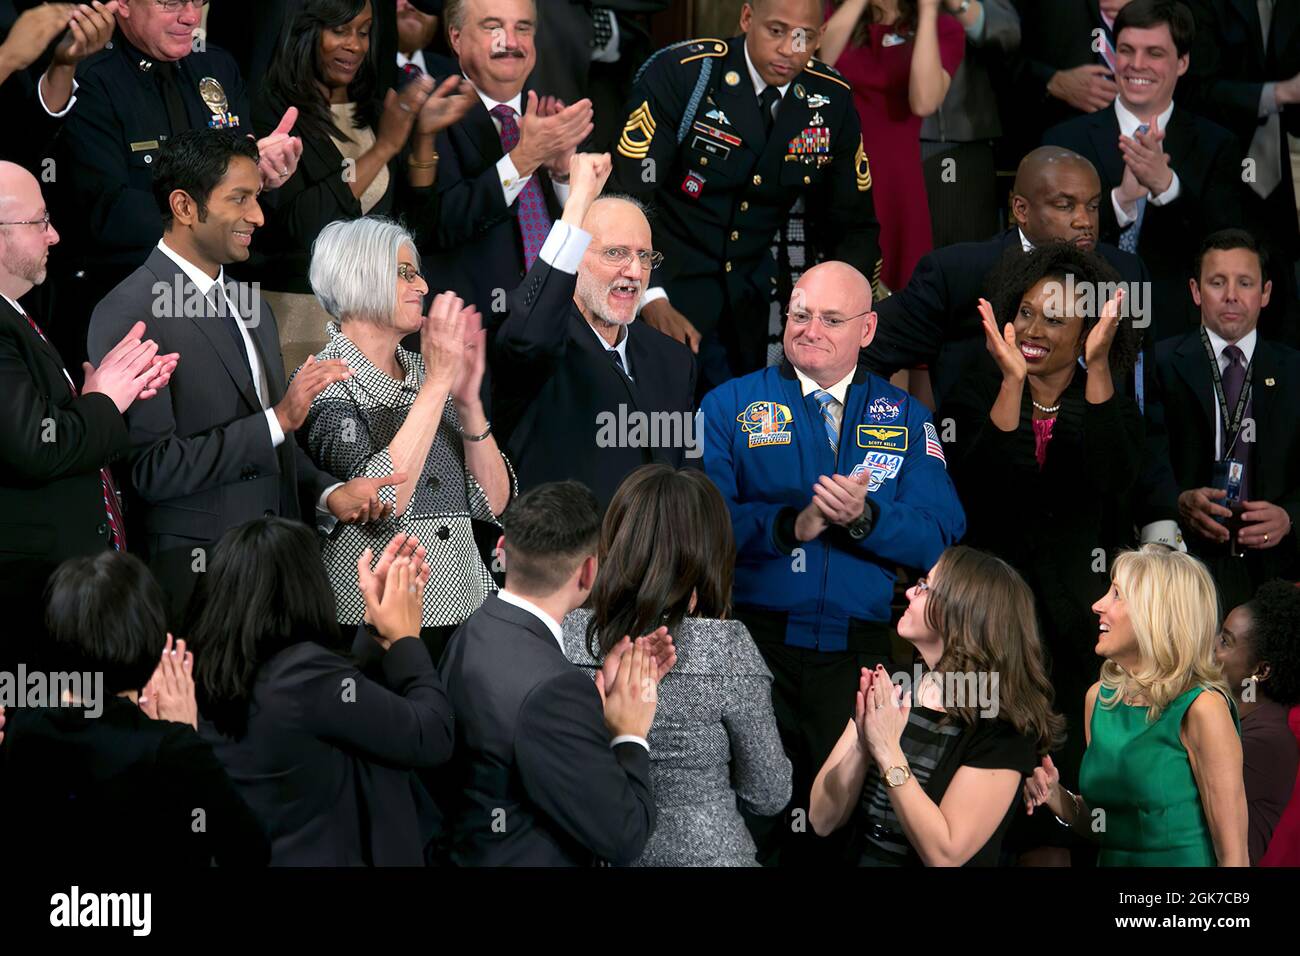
x=1048 y=409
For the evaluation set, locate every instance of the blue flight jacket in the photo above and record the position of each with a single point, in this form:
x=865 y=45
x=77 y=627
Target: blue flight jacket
x=765 y=446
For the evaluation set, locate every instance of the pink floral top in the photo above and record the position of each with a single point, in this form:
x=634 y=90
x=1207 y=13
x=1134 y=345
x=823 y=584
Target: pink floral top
x=1042 y=435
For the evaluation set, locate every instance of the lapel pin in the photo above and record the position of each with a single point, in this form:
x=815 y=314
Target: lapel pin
x=1270 y=381
x=732 y=78
x=799 y=91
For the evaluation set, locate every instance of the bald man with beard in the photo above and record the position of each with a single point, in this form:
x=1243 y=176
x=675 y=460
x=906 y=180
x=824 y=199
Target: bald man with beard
x=582 y=389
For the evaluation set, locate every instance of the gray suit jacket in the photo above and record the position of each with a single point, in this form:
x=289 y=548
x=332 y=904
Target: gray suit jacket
x=201 y=460
x=969 y=113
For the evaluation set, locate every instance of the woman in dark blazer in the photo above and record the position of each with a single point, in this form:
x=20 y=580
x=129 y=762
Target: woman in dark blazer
x=1044 y=454
x=666 y=558
x=105 y=773
x=322 y=753
x=361 y=154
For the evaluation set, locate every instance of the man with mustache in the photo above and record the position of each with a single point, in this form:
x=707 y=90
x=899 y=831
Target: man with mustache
x=582 y=390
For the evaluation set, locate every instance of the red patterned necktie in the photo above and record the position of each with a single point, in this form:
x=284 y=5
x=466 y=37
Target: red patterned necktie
x=534 y=221
x=116 y=523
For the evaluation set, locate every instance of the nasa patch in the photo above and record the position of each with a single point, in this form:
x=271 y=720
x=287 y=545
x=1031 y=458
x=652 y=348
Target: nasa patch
x=882 y=410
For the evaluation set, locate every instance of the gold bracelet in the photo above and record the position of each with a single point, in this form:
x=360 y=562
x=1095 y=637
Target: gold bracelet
x=416 y=164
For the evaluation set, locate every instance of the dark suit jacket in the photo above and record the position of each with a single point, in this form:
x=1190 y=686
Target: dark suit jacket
x=202 y=461
x=556 y=389
x=120 y=790
x=52 y=446
x=1187 y=396
x=478 y=248
x=317 y=195
x=539 y=784
x=328 y=773
x=1206 y=158
x=934 y=320
x=32 y=130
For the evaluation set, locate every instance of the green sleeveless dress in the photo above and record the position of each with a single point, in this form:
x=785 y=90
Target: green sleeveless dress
x=1140 y=775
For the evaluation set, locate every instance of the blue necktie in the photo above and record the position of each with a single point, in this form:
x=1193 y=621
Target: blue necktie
x=825 y=399
x=1128 y=237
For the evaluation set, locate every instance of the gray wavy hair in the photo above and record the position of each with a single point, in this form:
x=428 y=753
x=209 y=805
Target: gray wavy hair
x=354 y=267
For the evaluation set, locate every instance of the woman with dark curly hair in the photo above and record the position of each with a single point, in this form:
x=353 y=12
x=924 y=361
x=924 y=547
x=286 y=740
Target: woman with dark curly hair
x=1044 y=453
x=1259 y=650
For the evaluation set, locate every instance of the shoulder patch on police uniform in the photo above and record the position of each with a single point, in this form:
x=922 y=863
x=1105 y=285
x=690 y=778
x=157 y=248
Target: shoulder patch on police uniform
x=638 y=132
x=862 y=167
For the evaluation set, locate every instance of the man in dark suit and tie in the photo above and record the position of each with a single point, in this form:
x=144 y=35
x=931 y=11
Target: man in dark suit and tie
x=934 y=320
x=541 y=776
x=501 y=178
x=583 y=390
x=57 y=496
x=1168 y=176
x=1229 y=397
x=216 y=449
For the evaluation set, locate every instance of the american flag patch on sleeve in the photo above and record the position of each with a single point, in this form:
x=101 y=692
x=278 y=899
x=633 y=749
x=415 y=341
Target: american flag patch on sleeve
x=933 y=447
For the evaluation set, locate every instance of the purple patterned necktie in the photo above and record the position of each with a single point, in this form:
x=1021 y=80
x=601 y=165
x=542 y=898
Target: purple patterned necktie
x=534 y=222
x=1234 y=379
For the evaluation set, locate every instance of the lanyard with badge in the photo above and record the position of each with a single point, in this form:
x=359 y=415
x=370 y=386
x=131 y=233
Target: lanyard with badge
x=1228 y=470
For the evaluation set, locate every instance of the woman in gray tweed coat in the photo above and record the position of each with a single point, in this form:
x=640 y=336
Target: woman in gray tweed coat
x=666 y=558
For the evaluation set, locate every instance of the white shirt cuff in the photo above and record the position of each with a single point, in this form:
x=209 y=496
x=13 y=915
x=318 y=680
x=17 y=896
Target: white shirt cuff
x=1268 y=99
x=1164 y=532
x=654 y=294
x=512 y=184
x=561 y=192
x=1169 y=195
x=564 y=247
x=629 y=739
x=1121 y=218
x=277 y=433
x=325 y=519
x=40 y=95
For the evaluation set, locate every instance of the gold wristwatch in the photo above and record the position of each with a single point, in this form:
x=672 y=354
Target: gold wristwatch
x=897 y=776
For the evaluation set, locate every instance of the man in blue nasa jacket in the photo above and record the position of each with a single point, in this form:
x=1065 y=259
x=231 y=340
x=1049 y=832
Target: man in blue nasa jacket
x=833 y=478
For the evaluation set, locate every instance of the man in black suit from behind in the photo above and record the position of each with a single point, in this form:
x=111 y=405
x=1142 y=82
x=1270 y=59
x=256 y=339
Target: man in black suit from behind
x=501 y=179
x=57 y=497
x=217 y=448
x=1168 y=176
x=934 y=319
x=582 y=389
x=542 y=777
x=1264 y=378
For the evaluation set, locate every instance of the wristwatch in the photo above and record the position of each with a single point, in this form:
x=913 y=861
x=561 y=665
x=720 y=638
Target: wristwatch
x=897 y=776
x=860 y=526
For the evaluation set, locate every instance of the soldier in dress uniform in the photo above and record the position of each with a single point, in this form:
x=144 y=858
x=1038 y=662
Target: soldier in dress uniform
x=155 y=78
x=721 y=138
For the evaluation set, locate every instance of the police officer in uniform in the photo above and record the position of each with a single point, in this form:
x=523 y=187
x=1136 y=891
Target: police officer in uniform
x=155 y=78
x=721 y=138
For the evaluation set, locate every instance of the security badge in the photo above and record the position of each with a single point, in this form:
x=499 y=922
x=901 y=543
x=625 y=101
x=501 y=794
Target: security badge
x=638 y=132
x=215 y=98
x=766 y=423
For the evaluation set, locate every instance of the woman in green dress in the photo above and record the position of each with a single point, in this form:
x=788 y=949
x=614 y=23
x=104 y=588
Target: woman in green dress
x=1161 y=781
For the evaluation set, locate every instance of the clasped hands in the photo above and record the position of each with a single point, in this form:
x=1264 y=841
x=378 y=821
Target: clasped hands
x=837 y=499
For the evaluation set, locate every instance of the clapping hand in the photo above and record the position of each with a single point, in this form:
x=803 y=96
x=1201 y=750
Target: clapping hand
x=445 y=105
x=659 y=643
x=278 y=153
x=630 y=701
x=469 y=378
x=1096 y=350
x=90 y=27
x=394 y=591
x=1145 y=155
x=880 y=710
x=358 y=501
x=1041 y=786
x=169 y=695
x=1002 y=346
x=131 y=370
x=841 y=498
x=442 y=339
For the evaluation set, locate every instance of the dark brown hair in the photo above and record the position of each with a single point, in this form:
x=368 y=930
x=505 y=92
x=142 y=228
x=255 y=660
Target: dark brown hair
x=985 y=612
x=667 y=535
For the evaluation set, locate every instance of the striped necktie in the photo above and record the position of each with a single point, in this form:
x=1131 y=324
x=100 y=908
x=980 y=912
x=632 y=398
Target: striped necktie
x=112 y=505
x=828 y=406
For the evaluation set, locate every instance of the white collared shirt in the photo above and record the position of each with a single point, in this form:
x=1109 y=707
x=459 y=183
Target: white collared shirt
x=416 y=58
x=620 y=348
x=760 y=84
x=512 y=184
x=551 y=623
x=1128 y=124
x=838 y=391
x=1247 y=345
x=204 y=283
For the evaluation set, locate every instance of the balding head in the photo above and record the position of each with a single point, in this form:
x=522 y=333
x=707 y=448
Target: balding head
x=610 y=289
x=1057 y=197
x=24 y=249
x=838 y=294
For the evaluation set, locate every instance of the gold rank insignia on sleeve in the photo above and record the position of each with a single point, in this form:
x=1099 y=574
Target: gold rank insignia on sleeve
x=862 y=168
x=637 y=133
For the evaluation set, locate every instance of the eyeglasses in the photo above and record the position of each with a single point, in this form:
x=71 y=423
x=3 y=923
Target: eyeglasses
x=175 y=6
x=43 y=223
x=800 y=317
x=409 y=272
x=922 y=584
x=620 y=255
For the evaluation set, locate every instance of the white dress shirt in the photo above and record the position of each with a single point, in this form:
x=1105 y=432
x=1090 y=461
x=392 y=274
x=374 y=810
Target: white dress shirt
x=557 y=632
x=416 y=58
x=512 y=184
x=1128 y=124
x=1247 y=345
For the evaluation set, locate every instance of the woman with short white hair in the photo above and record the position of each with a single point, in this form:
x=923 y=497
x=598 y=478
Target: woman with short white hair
x=417 y=415
x=1161 y=781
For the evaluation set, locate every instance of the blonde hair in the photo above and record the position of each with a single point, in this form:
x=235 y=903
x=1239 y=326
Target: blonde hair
x=1174 y=611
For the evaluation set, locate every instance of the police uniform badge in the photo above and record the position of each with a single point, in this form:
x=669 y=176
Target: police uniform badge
x=638 y=132
x=766 y=423
x=215 y=99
